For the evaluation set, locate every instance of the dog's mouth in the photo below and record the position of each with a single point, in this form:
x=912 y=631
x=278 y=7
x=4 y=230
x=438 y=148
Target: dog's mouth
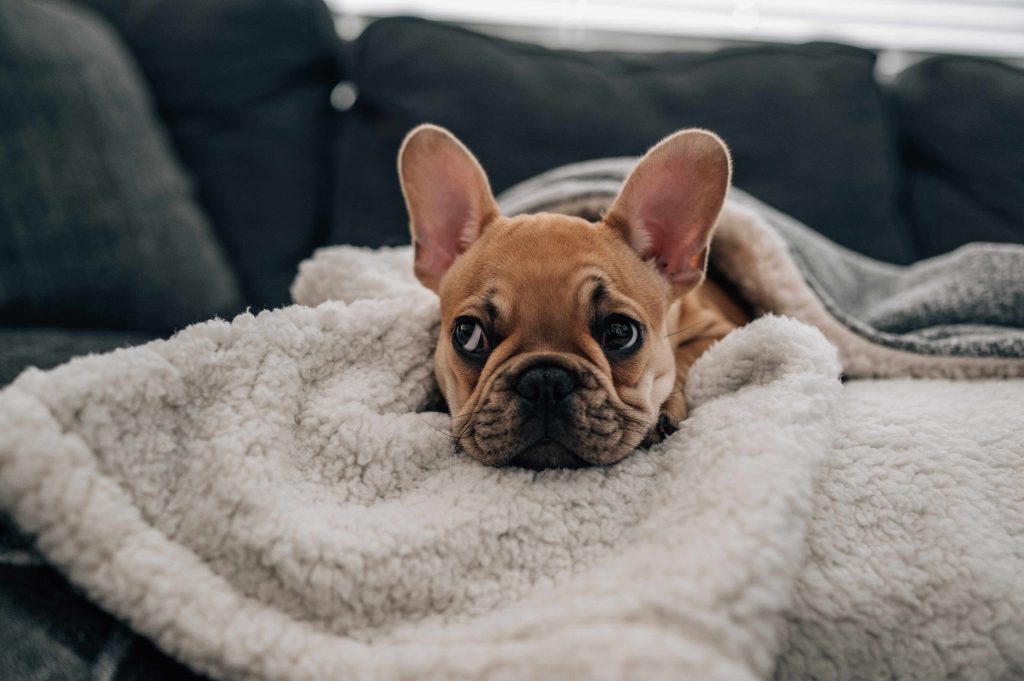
x=547 y=452
x=538 y=443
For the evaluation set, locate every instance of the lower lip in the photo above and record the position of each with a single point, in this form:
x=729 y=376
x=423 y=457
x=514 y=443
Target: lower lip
x=574 y=461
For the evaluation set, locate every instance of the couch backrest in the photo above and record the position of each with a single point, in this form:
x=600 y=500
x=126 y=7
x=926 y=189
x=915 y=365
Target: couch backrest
x=806 y=124
x=897 y=173
x=961 y=125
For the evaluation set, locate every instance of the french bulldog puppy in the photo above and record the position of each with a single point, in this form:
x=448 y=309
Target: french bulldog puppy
x=565 y=342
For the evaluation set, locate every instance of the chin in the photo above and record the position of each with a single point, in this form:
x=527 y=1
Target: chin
x=548 y=454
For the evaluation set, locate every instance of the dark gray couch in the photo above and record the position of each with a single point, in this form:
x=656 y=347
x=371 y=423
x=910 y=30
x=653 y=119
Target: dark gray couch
x=168 y=161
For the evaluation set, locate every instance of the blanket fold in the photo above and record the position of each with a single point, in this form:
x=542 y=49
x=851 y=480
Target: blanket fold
x=263 y=499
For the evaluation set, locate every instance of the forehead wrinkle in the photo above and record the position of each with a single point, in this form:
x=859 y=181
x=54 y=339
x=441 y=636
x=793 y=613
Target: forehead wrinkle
x=490 y=307
x=487 y=304
x=591 y=284
x=595 y=287
x=598 y=292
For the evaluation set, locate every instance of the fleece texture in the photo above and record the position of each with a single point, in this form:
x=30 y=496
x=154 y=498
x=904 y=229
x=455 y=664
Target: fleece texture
x=271 y=498
x=958 y=315
x=264 y=500
x=915 y=562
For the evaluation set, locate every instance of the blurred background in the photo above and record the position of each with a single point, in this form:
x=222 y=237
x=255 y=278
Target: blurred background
x=166 y=161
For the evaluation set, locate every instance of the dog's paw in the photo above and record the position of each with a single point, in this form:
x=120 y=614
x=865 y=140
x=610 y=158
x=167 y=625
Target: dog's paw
x=673 y=412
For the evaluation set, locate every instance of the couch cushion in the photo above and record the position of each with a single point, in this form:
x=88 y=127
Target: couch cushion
x=44 y=347
x=962 y=120
x=98 y=225
x=48 y=630
x=806 y=124
x=244 y=86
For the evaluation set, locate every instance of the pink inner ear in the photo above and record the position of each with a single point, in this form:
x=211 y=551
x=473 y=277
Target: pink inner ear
x=678 y=253
x=448 y=199
x=433 y=257
x=672 y=214
x=670 y=203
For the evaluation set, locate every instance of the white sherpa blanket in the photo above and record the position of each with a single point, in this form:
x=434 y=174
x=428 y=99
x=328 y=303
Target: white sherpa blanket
x=263 y=499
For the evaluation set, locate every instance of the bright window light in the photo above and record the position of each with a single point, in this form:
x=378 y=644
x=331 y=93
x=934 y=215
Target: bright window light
x=983 y=27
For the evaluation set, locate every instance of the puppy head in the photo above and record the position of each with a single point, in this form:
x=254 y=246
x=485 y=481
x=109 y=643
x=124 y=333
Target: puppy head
x=553 y=348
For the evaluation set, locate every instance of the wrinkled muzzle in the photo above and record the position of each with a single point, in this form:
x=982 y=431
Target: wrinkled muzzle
x=551 y=414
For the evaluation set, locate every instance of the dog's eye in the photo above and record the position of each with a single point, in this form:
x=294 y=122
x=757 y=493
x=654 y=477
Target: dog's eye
x=469 y=338
x=621 y=334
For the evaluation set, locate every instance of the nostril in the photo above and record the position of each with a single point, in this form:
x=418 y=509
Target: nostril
x=559 y=382
x=545 y=383
x=528 y=385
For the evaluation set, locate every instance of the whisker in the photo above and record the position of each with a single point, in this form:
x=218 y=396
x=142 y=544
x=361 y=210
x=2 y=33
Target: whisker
x=462 y=416
x=636 y=431
x=640 y=422
x=641 y=433
x=466 y=429
x=441 y=431
x=451 y=435
x=682 y=329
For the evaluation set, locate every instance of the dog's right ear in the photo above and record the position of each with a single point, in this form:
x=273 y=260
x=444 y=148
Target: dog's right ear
x=448 y=198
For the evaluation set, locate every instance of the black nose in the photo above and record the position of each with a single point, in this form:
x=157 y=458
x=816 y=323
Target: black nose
x=545 y=384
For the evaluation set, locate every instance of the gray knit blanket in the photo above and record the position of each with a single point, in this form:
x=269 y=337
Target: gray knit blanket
x=956 y=315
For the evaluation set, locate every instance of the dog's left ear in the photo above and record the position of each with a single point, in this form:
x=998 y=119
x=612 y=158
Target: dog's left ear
x=670 y=203
x=448 y=198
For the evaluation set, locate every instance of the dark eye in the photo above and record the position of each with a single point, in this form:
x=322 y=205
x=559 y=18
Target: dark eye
x=469 y=338
x=621 y=335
